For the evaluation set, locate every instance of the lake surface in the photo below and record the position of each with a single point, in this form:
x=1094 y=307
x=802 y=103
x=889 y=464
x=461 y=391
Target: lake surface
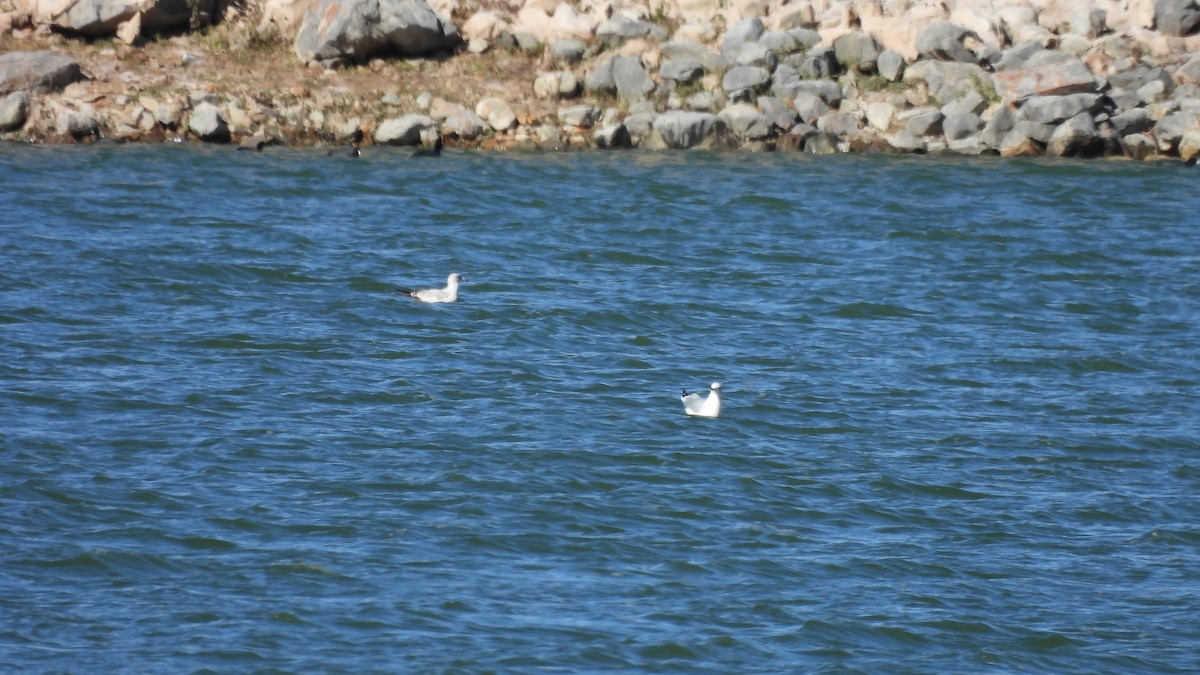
x=959 y=434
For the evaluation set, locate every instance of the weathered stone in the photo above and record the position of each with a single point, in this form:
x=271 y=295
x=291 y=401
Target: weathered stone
x=744 y=77
x=612 y=137
x=1189 y=145
x=1077 y=137
x=1017 y=144
x=944 y=41
x=960 y=125
x=14 y=110
x=998 y=126
x=967 y=145
x=745 y=121
x=777 y=112
x=1169 y=129
x=821 y=144
x=1189 y=73
x=208 y=125
x=809 y=107
x=498 y=114
x=1155 y=91
x=1138 y=146
x=1057 y=109
x=403 y=130
x=856 y=50
x=819 y=64
x=101 y=18
x=1035 y=130
x=906 y=141
x=681 y=129
x=781 y=43
x=620 y=28
x=681 y=70
x=827 y=90
x=754 y=54
x=630 y=78
x=890 y=65
x=971 y=102
x=465 y=124
x=39 y=72
x=840 y=124
x=337 y=32
x=747 y=30
x=880 y=115
x=680 y=50
x=600 y=77
x=1133 y=121
x=579 y=116
x=1046 y=73
x=922 y=121
x=556 y=85
x=1176 y=17
x=948 y=80
x=567 y=51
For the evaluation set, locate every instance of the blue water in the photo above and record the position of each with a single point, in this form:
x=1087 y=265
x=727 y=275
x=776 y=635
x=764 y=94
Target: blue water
x=959 y=430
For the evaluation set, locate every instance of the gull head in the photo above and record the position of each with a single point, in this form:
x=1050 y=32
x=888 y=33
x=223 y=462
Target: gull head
x=715 y=386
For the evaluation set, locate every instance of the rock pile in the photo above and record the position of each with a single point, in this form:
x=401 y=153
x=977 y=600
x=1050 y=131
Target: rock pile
x=1014 y=78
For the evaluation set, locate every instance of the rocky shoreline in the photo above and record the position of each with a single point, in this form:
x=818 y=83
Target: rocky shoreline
x=1013 y=78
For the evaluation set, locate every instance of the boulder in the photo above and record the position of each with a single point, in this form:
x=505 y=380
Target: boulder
x=103 y=18
x=880 y=115
x=827 y=90
x=1176 y=17
x=569 y=51
x=971 y=102
x=600 y=77
x=497 y=113
x=1017 y=144
x=819 y=64
x=14 y=110
x=1189 y=146
x=946 y=41
x=779 y=42
x=839 y=124
x=907 y=142
x=996 y=128
x=39 y=72
x=1138 y=146
x=1189 y=73
x=681 y=50
x=403 y=130
x=857 y=51
x=681 y=129
x=778 y=113
x=612 y=136
x=1057 y=109
x=821 y=143
x=890 y=65
x=922 y=121
x=681 y=70
x=584 y=116
x=754 y=54
x=1077 y=137
x=744 y=77
x=630 y=78
x=465 y=124
x=338 y=32
x=1133 y=121
x=961 y=125
x=748 y=30
x=1046 y=73
x=207 y=124
x=809 y=107
x=948 y=80
x=556 y=85
x=1170 y=129
x=745 y=121
x=618 y=29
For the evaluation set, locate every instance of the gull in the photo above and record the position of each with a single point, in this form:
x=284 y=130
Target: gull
x=447 y=294
x=708 y=407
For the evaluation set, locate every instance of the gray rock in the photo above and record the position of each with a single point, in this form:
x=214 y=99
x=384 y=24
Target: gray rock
x=1138 y=146
x=827 y=90
x=1189 y=146
x=612 y=137
x=781 y=43
x=1089 y=22
x=703 y=101
x=465 y=124
x=338 y=32
x=680 y=50
x=777 y=112
x=527 y=43
x=208 y=125
x=680 y=129
x=856 y=50
x=1176 y=17
x=556 y=85
x=619 y=29
x=1133 y=121
x=403 y=130
x=971 y=102
x=819 y=64
x=922 y=121
x=1077 y=137
x=1057 y=109
x=1168 y=130
x=840 y=124
x=754 y=54
x=1016 y=143
x=948 y=80
x=809 y=107
x=101 y=18
x=567 y=51
x=1045 y=73
x=681 y=70
x=747 y=30
x=805 y=37
x=967 y=145
x=497 y=112
x=821 y=144
x=630 y=78
x=14 y=110
x=906 y=141
x=579 y=116
x=640 y=124
x=1155 y=91
x=1016 y=57
x=600 y=78
x=996 y=128
x=745 y=121
x=1189 y=73
x=39 y=72
x=890 y=65
x=961 y=125
x=744 y=77
x=944 y=41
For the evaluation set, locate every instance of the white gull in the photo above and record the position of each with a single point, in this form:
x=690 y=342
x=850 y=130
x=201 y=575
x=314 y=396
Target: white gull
x=707 y=407
x=447 y=294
